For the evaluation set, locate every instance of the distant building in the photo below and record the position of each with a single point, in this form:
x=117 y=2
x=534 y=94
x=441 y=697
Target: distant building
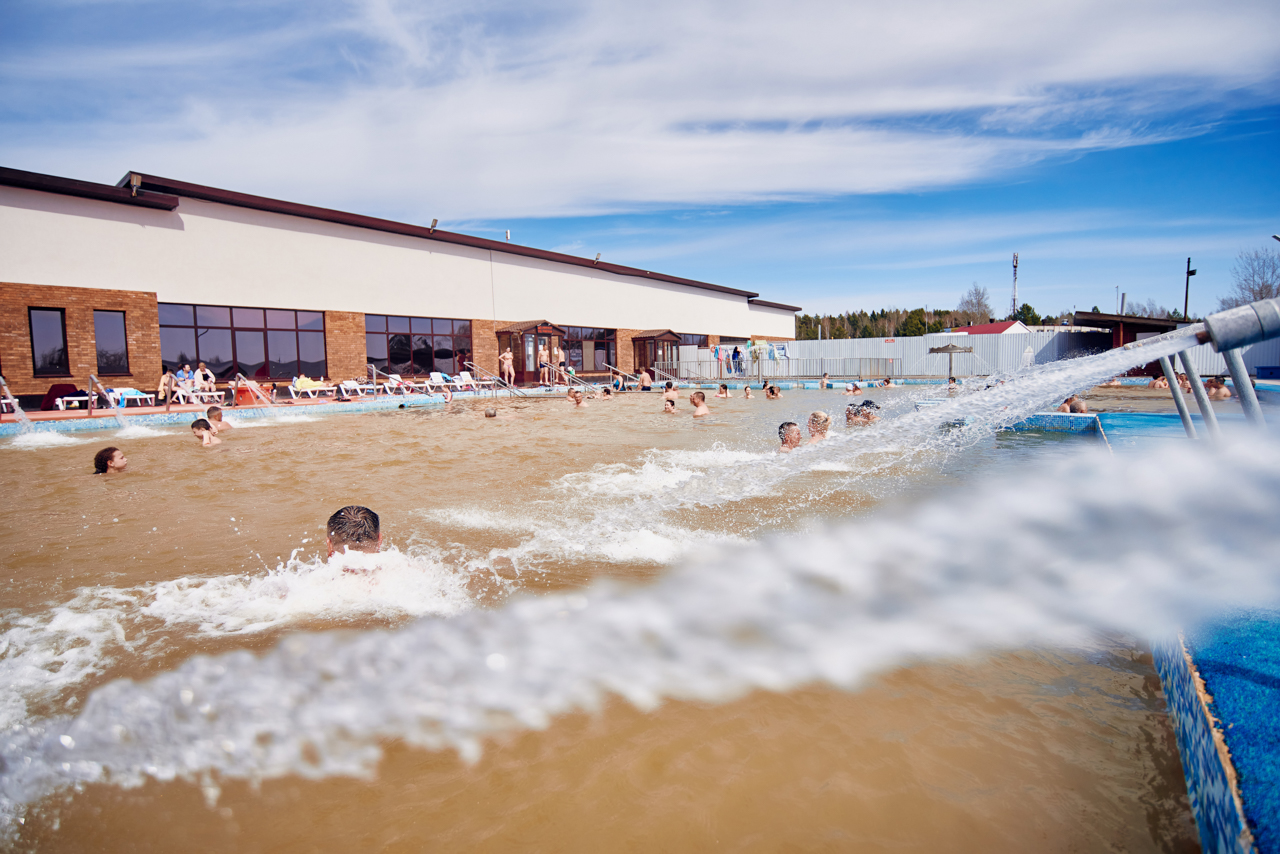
x=120 y=280
x=1007 y=327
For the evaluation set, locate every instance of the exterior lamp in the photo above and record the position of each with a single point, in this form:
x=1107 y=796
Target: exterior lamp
x=432 y=229
x=597 y=261
x=135 y=181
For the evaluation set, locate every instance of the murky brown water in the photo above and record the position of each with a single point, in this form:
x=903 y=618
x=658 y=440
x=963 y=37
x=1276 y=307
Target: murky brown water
x=1030 y=750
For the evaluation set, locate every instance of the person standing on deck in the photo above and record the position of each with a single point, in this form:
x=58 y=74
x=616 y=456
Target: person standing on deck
x=544 y=366
x=506 y=366
x=557 y=360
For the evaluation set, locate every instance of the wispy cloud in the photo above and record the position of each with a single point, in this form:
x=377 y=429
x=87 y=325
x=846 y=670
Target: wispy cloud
x=498 y=108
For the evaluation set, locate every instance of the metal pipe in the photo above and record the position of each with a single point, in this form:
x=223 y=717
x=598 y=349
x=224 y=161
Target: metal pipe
x=1202 y=399
x=1245 y=325
x=1244 y=388
x=1178 y=400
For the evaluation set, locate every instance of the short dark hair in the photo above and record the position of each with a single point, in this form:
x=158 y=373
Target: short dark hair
x=213 y=410
x=668 y=383
x=102 y=458
x=785 y=427
x=699 y=395
x=201 y=424
x=354 y=526
x=724 y=386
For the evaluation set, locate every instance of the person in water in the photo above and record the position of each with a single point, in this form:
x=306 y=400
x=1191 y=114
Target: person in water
x=671 y=392
x=746 y=392
x=789 y=433
x=952 y=385
x=851 y=390
x=1074 y=404
x=203 y=431
x=772 y=393
x=354 y=529
x=861 y=414
x=214 y=416
x=819 y=423
x=646 y=381
x=724 y=391
x=1158 y=382
x=579 y=400
x=110 y=460
x=825 y=382
x=1216 y=388
x=699 y=401
x=669 y=405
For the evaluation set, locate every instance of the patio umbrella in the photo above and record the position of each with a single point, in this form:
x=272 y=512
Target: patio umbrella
x=950 y=350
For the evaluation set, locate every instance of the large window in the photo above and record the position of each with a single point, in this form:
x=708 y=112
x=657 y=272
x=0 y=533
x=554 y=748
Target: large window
x=262 y=343
x=415 y=346
x=112 y=343
x=48 y=342
x=590 y=349
x=687 y=340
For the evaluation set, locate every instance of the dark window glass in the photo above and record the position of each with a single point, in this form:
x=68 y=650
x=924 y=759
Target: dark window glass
x=604 y=356
x=399 y=354
x=212 y=315
x=311 y=358
x=216 y=353
x=420 y=325
x=441 y=326
x=282 y=347
x=375 y=348
x=246 y=318
x=173 y=314
x=251 y=356
x=461 y=352
x=279 y=319
x=177 y=346
x=574 y=349
x=397 y=324
x=312 y=320
x=113 y=346
x=423 y=358
x=375 y=323
x=48 y=343
x=693 y=340
x=462 y=327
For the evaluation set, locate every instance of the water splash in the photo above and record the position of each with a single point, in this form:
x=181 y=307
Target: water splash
x=37 y=439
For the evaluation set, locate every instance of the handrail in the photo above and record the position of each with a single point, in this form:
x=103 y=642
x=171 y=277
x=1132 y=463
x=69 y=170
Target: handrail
x=666 y=377
x=256 y=389
x=498 y=381
x=114 y=408
x=17 y=407
x=624 y=374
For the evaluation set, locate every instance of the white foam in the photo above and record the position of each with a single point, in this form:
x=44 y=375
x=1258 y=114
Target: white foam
x=38 y=439
x=141 y=431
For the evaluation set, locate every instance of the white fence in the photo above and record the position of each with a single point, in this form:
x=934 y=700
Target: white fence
x=863 y=358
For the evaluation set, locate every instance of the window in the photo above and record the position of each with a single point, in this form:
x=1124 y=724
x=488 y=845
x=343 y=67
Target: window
x=414 y=346
x=261 y=343
x=590 y=349
x=112 y=343
x=687 y=340
x=48 y=342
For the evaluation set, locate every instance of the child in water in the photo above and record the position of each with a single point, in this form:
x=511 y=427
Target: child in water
x=203 y=431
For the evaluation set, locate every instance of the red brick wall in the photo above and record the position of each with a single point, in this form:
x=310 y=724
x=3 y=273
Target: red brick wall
x=142 y=332
x=344 y=347
x=484 y=343
x=626 y=350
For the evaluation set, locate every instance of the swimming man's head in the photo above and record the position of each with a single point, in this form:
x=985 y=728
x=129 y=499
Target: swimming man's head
x=354 y=528
x=698 y=398
x=789 y=433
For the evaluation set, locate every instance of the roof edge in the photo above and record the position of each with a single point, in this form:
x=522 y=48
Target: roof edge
x=262 y=203
x=86 y=189
x=767 y=304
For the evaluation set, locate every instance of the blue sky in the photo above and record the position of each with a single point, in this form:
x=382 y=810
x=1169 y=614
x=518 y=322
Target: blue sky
x=834 y=155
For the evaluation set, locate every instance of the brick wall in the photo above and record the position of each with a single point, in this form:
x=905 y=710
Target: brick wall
x=626 y=352
x=142 y=332
x=344 y=347
x=713 y=340
x=484 y=343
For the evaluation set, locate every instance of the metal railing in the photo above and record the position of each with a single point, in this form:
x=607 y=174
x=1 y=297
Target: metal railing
x=718 y=370
x=498 y=382
x=625 y=376
x=17 y=407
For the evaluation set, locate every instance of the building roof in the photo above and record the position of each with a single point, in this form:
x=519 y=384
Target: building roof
x=657 y=333
x=993 y=328
x=1130 y=321
x=526 y=325
x=164 y=193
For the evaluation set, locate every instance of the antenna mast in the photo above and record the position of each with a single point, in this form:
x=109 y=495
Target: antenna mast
x=1015 y=284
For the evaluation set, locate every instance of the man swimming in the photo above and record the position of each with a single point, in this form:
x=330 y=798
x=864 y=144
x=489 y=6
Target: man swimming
x=353 y=529
x=671 y=392
x=109 y=461
x=1216 y=388
x=578 y=399
x=699 y=401
x=203 y=431
x=789 y=433
x=861 y=414
x=819 y=423
x=851 y=390
x=214 y=416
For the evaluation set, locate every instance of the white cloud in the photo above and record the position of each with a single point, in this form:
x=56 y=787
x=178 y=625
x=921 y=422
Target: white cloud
x=503 y=109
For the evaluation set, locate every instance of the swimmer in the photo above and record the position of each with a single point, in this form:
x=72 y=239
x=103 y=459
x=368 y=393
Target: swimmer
x=819 y=423
x=671 y=392
x=669 y=405
x=203 y=431
x=861 y=414
x=1184 y=383
x=1158 y=382
x=699 y=401
x=491 y=413
x=646 y=381
x=1074 y=404
x=1114 y=382
x=952 y=385
x=851 y=390
x=109 y=460
x=1216 y=388
x=746 y=392
x=724 y=391
x=789 y=433
x=772 y=393
x=825 y=382
x=506 y=366
x=214 y=416
x=579 y=399
x=606 y=393
x=353 y=529
x=887 y=383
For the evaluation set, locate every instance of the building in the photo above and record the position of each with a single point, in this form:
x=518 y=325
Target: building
x=116 y=280
x=1006 y=327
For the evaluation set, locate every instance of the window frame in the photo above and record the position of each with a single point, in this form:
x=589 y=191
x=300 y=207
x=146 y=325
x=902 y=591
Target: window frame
x=31 y=333
x=263 y=330
x=415 y=328
x=576 y=336
x=97 y=349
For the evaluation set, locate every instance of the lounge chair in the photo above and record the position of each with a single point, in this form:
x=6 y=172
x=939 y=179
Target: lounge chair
x=208 y=396
x=75 y=401
x=441 y=380
x=6 y=406
x=121 y=397
x=465 y=378
x=348 y=389
x=311 y=391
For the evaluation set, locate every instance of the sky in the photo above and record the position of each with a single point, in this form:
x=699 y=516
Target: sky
x=834 y=155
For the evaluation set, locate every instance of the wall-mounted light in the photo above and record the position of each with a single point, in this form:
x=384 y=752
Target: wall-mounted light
x=135 y=181
x=597 y=261
x=432 y=230
x=508 y=235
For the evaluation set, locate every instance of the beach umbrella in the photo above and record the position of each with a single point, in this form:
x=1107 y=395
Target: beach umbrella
x=950 y=350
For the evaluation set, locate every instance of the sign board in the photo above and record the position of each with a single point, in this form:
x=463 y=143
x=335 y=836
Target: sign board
x=781 y=350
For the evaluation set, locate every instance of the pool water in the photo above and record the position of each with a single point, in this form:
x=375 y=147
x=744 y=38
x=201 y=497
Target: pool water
x=210 y=551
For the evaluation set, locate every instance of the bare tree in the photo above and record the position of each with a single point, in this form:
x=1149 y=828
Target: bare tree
x=1256 y=276
x=1151 y=309
x=974 y=307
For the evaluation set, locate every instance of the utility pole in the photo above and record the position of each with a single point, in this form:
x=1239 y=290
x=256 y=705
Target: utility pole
x=1015 y=284
x=1186 y=296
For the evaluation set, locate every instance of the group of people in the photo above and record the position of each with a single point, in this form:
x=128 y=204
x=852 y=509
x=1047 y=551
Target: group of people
x=1214 y=387
x=855 y=415
x=201 y=379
